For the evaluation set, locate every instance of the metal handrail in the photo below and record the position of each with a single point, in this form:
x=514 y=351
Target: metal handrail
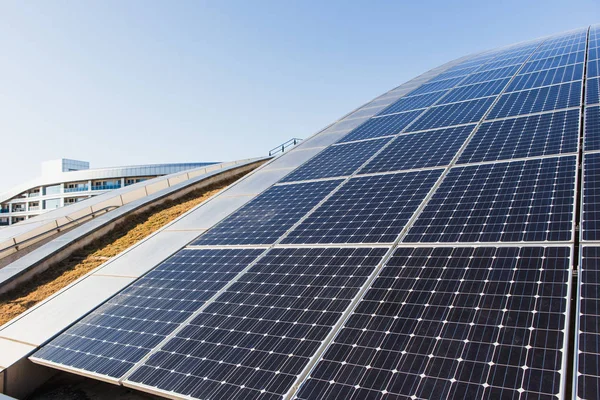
x=58 y=228
x=281 y=148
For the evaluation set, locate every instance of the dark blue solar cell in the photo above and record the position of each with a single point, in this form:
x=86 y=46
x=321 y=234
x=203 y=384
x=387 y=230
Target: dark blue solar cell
x=591 y=197
x=420 y=150
x=382 y=126
x=499 y=73
x=509 y=202
x=553 y=62
x=592 y=91
x=475 y=91
x=259 y=334
x=436 y=86
x=537 y=100
x=588 y=343
x=338 y=160
x=592 y=128
x=114 y=337
x=535 y=135
x=438 y=319
x=593 y=68
x=452 y=114
x=267 y=217
x=413 y=102
x=546 y=77
x=370 y=209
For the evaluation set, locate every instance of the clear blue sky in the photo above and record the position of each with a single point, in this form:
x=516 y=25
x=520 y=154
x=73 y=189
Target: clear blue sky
x=135 y=82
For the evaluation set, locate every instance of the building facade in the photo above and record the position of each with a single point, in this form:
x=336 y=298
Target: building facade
x=66 y=181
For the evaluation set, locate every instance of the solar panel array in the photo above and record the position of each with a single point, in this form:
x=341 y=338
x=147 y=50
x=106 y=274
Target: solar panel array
x=426 y=254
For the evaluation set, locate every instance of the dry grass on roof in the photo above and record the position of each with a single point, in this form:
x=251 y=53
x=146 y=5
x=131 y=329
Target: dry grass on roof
x=125 y=235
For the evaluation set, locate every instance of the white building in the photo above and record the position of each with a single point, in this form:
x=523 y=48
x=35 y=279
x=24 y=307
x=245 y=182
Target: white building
x=65 y=182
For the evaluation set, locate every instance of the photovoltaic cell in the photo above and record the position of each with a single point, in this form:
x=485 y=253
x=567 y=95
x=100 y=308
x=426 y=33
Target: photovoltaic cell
x=453 y=323
x=591 y=197
x=592 y=91
x=592 y=128
x=413 y=102
x=382 y=126
x=499 y=73
x=547 y=77
x=588 y=345
x=266 y=218
x=537 y=100
x=114 y=337
x=370 y=209
x=530 y=136
x=339 y=160
x=452 y=114
x=508 y=202
x=256 y=337
x=475 y=91
x=420 y=150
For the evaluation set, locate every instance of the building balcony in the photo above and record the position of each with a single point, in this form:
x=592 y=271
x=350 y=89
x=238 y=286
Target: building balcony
x=77 y=189
x=36 y=194
x=18 y=210
x=106 y=187
x=4 y=210
x=34 y=208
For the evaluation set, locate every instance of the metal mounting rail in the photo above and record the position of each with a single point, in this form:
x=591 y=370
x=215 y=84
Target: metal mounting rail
x=281 y=148
x=58 y=228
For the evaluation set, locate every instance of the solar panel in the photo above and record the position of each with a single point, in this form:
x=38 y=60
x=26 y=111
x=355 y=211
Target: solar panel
x=546 y=77
x=504 y=62
x=266 y=218
x=491 y=75
x=454 y=73
x=535 y=135
x=475 y=91
x=452 y=114
x=338 y=160
x=370 y=209
x=257 y=336
x=592 y=91
x=537 y=100
x=454 y=323
x=413 y=102
x=436 y=86
x=382 y=126
x=544 y=52
x=553 y=62
x=420 y=150
x=592 y=128
x=517 y=201
x=591 y=197
x=114 y=337
x=588 y=333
